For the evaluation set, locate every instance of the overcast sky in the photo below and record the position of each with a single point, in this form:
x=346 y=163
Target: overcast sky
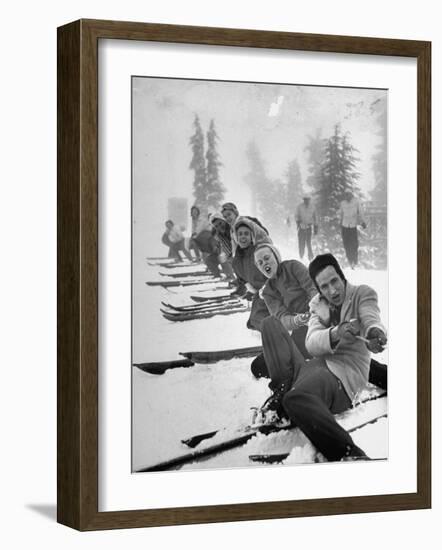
x=279 y=118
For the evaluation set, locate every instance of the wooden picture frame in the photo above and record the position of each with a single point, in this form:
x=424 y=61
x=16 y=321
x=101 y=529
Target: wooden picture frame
x=77 y=225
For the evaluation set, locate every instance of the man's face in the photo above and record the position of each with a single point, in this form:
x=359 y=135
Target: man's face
x=169 y=225
x=219 y=225
x=194 y=213
x=266 y=262
x=331 y=286
x=244 y=236
x=229 y=216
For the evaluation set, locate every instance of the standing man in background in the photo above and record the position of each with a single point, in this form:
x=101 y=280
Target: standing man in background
x=350 y=216
x=306 y=221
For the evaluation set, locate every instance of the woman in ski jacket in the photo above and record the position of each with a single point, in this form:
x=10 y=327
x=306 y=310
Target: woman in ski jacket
x=249 y=277
x=287 y=292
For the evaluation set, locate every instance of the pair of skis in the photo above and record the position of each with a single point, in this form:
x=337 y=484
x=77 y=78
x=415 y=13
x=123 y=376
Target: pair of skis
x=243 y=435
x=184 y=274
x=204 y=310
x=205 y=314
x=221 y=283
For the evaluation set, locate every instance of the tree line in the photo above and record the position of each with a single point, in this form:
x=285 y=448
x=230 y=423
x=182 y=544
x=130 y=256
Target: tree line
x=208 y=189
x=332 y=171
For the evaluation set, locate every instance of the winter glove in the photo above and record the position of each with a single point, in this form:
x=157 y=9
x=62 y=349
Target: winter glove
x=299 y=320
x=240 y=290
x=250 y=289
x=315 y=230
x=376 y=340
x=344 y=333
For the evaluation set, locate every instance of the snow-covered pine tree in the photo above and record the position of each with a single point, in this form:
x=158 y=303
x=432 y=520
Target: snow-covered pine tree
x=215 y=189
x=198 y=164
x=379 y=159
x=338 y=175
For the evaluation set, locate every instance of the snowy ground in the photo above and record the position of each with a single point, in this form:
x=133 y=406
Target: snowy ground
x=184 y=402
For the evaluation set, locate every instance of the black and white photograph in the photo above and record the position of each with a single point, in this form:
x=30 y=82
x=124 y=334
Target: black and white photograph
x=260 y=274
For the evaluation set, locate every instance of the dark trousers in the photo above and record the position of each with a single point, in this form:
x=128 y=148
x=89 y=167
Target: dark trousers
x=305 y=238
x=179 y=247
x=259 y=366
x=212 y=263
x=376 y=376
x=316 y=394
x=351 y=244
x=194 y=246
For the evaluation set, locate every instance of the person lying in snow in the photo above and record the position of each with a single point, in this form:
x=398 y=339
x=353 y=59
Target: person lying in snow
x=249 y=278
x=231 y=215
x=175 y=239
x=343 y=329
x=222 y=233
x=209 y=247
x=286 y=293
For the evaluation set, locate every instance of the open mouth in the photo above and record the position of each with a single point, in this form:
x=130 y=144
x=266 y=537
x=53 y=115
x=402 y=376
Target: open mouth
x=268 y=269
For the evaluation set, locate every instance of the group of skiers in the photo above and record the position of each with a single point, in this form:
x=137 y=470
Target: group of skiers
x=318 y=330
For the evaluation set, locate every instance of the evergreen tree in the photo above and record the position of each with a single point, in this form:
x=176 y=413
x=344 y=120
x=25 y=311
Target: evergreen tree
x=338 y=175
x=379 y=159
x=215 y=189
x=198 y=165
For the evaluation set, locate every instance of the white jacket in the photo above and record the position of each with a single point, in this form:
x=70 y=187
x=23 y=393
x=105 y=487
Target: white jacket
x=349 y=362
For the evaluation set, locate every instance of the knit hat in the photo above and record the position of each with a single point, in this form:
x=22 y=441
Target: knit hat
x=273 y=248
x=322 y=261
x=230 y=206
x=216 y=216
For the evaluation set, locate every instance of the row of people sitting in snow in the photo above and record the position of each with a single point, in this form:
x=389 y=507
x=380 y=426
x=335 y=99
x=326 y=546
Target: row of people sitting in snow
x=318 y=330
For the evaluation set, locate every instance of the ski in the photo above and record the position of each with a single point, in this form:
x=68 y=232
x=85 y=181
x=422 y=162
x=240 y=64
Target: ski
x=175 y=462
x=160 y=367
x=196 y=439
x=183 y=283
x=273 y=458
x=203 y=308
x=199 y=306
x=188 y=274
x=184 y=264
x=239 y=438
x=227 y=296
x=194 y=357
x=202 y=315
x=221 y=355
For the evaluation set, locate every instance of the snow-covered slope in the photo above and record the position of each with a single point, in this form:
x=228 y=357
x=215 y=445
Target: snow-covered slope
x=184 y=402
